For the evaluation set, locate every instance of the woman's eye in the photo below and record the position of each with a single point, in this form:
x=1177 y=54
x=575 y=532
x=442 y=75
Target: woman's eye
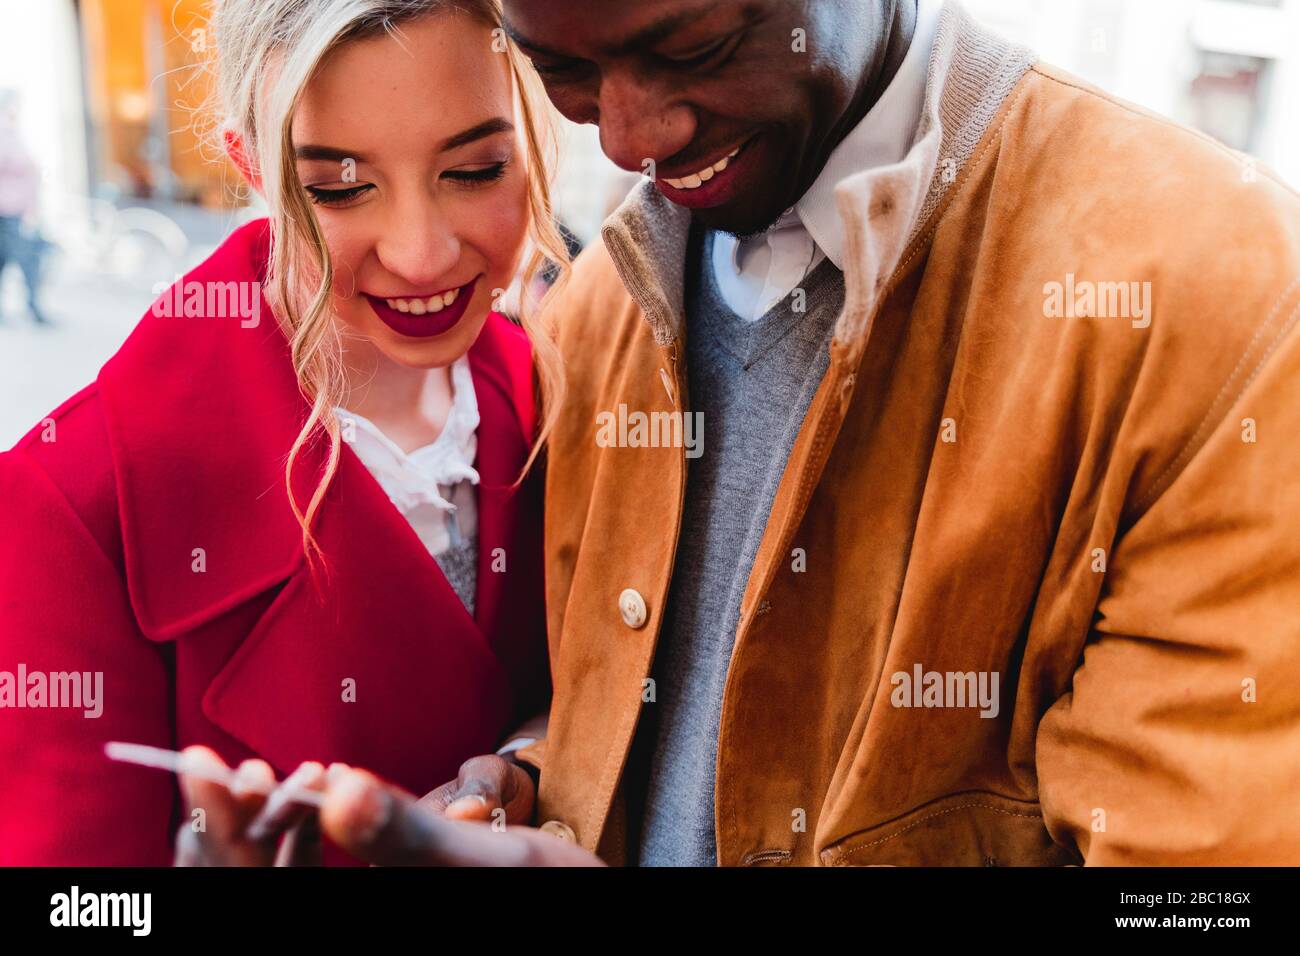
x=474 y=177
x=336 y=197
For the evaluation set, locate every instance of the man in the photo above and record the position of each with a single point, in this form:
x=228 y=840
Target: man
x=992 y=552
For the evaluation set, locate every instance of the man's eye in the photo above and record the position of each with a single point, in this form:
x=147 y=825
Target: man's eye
x=716 y=53
x=486 y=174
x=336 y=197
x=700 y=57
x=557 y=71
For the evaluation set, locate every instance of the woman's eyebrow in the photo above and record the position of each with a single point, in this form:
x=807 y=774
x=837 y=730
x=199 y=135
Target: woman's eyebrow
x=311 y=151
x=498 y=124
x=490 y=127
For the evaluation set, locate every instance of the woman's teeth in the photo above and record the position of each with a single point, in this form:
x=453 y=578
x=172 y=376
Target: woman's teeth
x=435 y=303
x=696 y=180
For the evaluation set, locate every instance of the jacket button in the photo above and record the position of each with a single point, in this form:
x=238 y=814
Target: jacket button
x=632 y=606
x=558 y=829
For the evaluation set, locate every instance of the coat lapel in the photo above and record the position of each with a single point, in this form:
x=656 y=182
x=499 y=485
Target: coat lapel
x=369 y=662
x=370 y=658
x=510 y=589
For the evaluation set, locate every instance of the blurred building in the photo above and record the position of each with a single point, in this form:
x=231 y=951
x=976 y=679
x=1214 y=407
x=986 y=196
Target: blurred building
x=144 y=86
x=1228 y=67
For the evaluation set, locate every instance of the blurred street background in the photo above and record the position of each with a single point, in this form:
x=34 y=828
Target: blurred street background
x=97 y=137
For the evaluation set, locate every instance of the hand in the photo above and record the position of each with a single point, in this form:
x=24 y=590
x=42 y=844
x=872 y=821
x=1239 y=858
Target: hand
x=243 y=824
x=485 y=785
x=389 y=827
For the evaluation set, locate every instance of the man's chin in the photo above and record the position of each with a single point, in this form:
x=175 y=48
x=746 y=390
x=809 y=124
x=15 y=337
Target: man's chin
x=741 y=223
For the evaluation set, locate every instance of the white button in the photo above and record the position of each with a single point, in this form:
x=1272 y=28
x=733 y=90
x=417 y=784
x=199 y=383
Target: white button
x=559 y=830
x=632 y=606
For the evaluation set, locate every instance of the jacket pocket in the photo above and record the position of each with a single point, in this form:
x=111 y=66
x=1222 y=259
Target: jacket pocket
x=973 y=828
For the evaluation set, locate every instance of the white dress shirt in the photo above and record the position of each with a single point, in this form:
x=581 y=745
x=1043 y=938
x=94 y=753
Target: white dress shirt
x=433 y=486
x=755 y=274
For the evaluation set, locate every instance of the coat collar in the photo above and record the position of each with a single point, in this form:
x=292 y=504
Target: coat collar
x=882 y=210
x=201 y=413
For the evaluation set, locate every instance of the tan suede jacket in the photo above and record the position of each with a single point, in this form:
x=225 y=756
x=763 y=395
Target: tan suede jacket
x=1030 y=589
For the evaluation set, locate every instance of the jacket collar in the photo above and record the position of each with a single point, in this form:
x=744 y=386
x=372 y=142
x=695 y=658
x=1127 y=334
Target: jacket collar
x=201 y=413
x=883 y=210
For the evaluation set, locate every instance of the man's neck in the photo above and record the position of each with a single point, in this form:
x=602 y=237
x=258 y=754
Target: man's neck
x=900 y=30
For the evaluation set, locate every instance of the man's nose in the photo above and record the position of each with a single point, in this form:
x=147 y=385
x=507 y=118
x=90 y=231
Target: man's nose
x=638 y=123
x=419 y=246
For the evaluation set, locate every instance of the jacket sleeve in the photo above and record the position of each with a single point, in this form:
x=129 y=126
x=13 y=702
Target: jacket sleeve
x=66 y=623
x=1179 y=743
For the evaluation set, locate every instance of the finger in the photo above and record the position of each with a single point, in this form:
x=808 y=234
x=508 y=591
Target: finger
x=302 y=844
x=189 y=849
x=481 y=789
x=282 y=811
x=223 y=811
x=253 y=784
x=384 y=826
x=474 y=800
x=515 y=795
x=521 y=796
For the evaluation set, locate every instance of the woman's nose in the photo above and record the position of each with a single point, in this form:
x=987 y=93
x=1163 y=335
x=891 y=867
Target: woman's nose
x=420 y=248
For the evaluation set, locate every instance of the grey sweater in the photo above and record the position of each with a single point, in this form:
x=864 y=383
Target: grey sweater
x=753 y=382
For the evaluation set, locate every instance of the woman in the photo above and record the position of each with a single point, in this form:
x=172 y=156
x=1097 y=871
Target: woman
x=285 y=522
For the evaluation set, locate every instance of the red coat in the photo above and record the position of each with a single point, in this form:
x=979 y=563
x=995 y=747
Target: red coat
x=181 y=445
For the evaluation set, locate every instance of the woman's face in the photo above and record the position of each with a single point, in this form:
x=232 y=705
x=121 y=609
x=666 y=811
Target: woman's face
x=407 y=147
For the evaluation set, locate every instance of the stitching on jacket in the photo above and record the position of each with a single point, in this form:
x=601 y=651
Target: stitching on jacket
x=939 y=813
x=1160 y=483
x=764 y=856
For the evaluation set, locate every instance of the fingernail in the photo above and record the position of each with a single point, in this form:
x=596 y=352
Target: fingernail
x=470 y=796
x=245 y=783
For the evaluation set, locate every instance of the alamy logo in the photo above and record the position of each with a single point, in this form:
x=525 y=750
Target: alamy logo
x=209 y=300
x=624 y=429
x=74 y=908
x=955 y=689
x=56 y=689
x=1074 y=299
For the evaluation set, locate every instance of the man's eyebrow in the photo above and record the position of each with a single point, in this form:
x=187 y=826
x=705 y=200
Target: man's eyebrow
x=311 y=151
x=647 y=36
x=497 y=124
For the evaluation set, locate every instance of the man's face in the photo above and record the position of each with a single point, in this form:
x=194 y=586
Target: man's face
x=738 y=103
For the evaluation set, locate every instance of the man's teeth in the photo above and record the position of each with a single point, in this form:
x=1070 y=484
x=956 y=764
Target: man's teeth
x=435 y=303
x=696 y=180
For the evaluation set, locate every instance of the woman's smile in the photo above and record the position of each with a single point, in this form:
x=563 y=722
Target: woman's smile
x=424 y=315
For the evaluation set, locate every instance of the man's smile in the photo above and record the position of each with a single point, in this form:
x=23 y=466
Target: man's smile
x=715 y=184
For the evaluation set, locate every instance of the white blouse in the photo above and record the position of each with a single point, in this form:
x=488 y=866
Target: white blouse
x=433 y=486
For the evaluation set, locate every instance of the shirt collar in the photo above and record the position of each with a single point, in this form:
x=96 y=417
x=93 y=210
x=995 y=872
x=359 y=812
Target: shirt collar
x=733 y=248
x=882 y=138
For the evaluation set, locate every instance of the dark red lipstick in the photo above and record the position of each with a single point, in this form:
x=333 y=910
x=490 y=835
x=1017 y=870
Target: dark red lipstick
x=427 y=325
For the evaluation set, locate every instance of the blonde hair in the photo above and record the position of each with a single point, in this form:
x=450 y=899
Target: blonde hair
x=264 y=53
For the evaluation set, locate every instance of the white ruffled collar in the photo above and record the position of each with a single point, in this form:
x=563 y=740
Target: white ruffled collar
x=422 y=476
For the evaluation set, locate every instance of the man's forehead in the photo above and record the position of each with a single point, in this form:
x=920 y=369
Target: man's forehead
x=621 y=27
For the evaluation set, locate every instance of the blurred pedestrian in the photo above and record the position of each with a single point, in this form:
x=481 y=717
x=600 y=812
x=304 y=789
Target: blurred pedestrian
x=20 y=241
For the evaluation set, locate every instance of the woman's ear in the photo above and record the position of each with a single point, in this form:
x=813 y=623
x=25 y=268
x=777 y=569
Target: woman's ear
x=234 y=144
